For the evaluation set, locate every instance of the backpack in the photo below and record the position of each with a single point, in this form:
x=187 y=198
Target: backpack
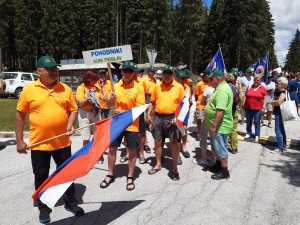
x=235 y=93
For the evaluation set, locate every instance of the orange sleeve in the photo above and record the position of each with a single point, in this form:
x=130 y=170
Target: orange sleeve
x=197 y=91
x=80 y=93
x=73 y=105
x=140 y=98
x=154 y=95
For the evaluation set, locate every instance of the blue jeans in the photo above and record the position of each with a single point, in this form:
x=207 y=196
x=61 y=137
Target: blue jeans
x=218 y=144
x=250 y=114
x=106 y=113
x=280 y=132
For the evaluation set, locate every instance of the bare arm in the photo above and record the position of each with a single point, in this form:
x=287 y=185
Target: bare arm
x=196 y=98
x=19 y=128
x=218 y=117
x=110 y=102
x=71 y=120
x=151 y=107
x=265 y=102
x=279 y=101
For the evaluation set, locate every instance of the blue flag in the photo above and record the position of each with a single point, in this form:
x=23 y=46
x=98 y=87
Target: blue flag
x=216 y=63
x=262 y=68
x=255 y=65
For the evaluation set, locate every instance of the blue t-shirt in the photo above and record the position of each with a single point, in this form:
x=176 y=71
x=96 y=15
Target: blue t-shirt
x=293 y=85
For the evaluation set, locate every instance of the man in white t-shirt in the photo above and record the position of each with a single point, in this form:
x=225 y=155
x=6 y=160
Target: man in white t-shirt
x=245 y=82
x=270 y=86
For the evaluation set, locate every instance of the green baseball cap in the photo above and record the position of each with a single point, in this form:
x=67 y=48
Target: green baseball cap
x=46 y=61
x=168 y=68
x=151 y=69
x=101 y=71
x=268 y=75
x=186 y=71
x=206 y=72
x=217 y=73
x=249 y=70
x=138 y=69
x=180 y=74
x=129 y=64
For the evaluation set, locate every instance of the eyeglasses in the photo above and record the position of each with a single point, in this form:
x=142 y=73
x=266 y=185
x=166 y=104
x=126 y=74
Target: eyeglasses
x=127 y=71
x=51 y=69
x=169 y=73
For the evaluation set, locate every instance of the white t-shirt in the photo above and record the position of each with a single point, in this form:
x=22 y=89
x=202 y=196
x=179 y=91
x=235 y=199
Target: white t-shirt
x=208 y=93
x=269 y=86
x=246 y=82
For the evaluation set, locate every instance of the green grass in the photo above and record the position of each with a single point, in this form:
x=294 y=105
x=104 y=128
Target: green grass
x=7 y=115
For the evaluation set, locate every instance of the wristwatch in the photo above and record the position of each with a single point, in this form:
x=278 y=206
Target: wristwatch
x=213 y=126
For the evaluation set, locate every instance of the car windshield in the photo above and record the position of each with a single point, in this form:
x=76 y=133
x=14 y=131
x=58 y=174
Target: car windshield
x=6 y=76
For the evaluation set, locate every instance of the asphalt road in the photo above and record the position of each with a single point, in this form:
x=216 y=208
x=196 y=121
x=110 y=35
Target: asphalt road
x=263 y=188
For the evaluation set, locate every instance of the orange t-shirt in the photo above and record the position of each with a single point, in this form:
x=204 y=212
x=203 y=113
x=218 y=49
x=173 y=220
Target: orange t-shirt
x=150 y=84
x=142 y=82
x=129 y=96
x=199 y=90
x=48 y=113
x=107 y=87
x=166 y=99
x=81 y=93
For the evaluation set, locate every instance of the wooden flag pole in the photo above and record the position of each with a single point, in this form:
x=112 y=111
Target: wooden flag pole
x=111 y=83
x=61 y=135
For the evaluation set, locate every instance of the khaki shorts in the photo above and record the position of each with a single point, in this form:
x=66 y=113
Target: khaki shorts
x=199 y=113
x=269 y=107
x=86 y=117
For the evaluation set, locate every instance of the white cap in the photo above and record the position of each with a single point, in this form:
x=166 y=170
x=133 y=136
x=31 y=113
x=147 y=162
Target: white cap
x=158 y=71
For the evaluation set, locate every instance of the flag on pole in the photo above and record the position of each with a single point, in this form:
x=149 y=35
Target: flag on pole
x=255 y=65
x=182 y=112
x=216 y=63
x=262 y=68
x=79 y=164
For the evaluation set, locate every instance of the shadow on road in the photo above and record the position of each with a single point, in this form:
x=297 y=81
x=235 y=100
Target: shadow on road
x=108 y=212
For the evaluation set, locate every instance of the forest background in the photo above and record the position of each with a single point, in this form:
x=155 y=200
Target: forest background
x=184 y=32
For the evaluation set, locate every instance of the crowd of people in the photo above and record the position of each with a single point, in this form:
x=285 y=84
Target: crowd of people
x=220 y=99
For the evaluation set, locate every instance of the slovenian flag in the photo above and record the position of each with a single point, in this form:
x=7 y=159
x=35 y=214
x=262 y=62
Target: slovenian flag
x=79 y=164
x=182 y=112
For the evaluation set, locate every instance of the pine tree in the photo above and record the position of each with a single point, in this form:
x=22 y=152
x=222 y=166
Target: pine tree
x=292 y=62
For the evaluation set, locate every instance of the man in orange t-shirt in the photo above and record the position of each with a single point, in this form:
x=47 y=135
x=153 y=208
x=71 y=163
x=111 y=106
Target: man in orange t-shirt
x=199 y=90
x=127 y=95
x=52 y=111
x=164 y=100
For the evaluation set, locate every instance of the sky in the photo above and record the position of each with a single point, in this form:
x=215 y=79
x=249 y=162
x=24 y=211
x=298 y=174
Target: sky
x=286 y=19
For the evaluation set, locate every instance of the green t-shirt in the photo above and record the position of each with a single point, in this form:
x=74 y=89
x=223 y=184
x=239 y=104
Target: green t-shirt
x=222 y=98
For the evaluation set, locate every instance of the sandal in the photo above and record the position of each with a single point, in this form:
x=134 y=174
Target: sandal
x=153 y=171
x=142 y=160
x=147 y=149
x=270 y=125
x=124 y=159
x=112 y=179
x=176 y=176
x=131 y=183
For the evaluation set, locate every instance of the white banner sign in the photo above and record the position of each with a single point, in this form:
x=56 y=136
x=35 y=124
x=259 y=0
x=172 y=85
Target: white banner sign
x=107 y=55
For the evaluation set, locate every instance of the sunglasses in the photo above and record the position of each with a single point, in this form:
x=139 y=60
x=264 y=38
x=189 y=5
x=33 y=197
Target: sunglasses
x=127 y=71
x=169 y=73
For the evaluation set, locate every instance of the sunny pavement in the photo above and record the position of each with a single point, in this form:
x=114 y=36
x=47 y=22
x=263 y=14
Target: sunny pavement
x=263 y=188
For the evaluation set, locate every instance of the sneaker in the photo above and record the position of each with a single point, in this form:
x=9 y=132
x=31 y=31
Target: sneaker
x=256 y=138
x=284 y=149
x=222 y=174
x=186 y=154
x=200 y=161
x=179 y=162
x=216 y=167
x=211 y=159
x=270 y=125
x=100 y=161
x=74 y=208
x=234 y=151
x=276 y=151
x=45 y=216
x=247 y=135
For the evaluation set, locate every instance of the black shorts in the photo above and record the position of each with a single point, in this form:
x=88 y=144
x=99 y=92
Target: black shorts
x=132 y=138
x=142 y=123
x=148 y=97
x=162 y=127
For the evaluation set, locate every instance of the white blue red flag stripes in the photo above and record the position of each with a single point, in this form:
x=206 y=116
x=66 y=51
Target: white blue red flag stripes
x=79 y=164
x=182 y=112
